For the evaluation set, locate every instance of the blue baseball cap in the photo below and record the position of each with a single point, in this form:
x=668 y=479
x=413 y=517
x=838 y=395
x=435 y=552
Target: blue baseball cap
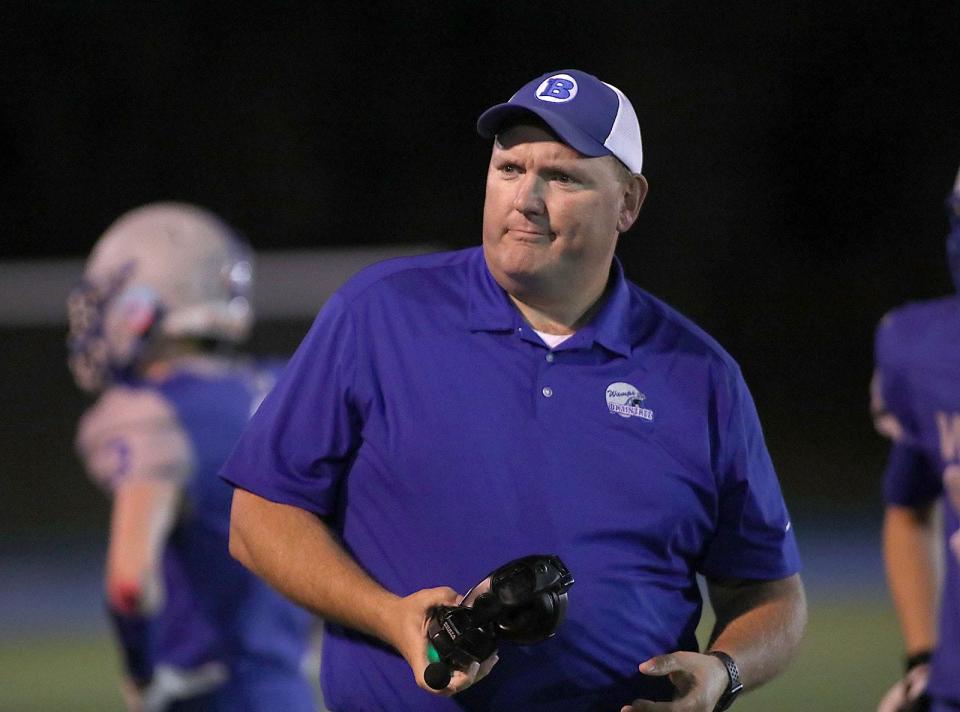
x=589 y=115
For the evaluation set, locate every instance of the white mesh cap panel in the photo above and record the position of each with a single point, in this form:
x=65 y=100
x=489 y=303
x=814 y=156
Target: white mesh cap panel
x=624 y=137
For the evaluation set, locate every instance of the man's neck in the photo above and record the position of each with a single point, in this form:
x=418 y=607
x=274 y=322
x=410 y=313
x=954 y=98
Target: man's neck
x=557 y=317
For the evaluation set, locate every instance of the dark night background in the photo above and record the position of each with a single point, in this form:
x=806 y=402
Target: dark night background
x=798 y=155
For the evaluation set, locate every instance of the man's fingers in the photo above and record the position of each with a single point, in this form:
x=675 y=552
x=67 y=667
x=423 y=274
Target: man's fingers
x=647 y=706
x=440 y=596
x=486 y=666
x=660 y=665
x=462 y=679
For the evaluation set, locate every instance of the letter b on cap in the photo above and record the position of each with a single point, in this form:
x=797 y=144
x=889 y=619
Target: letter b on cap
x=557 y=89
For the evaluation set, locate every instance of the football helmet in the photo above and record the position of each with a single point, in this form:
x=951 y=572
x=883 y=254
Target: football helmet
x=161 y=271
x=953 y=237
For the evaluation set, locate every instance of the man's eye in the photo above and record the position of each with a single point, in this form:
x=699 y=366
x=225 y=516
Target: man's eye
x=509 y=169
x=563 y=178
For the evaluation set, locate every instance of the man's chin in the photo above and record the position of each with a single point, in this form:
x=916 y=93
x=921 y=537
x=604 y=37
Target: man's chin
x=520 y=263
x=519 y=281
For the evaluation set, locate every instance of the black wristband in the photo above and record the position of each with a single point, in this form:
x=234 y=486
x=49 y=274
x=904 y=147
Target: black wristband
x=734 y=685
x=921 y=658
x=136 y=635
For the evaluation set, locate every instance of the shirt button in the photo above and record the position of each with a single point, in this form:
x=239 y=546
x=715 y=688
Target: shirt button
x=549 y=356
x=547 y=391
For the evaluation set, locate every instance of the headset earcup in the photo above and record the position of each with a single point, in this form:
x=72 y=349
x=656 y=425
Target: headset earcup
x=533 y=622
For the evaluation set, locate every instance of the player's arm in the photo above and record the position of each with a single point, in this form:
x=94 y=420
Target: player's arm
x=142 y=516
x=910 y=559
x=294 y=551
x=758 y=623
x=143 y=513
x=133 y=446
x=911 y=488
x=909 y=553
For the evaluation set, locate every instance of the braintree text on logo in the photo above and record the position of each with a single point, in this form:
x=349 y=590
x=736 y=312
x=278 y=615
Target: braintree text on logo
x=627 y=402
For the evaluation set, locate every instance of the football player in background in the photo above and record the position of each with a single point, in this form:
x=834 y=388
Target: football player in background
x=163 y=301
x=916 y=403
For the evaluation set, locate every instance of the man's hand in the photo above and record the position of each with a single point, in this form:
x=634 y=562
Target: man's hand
x=409 y=637
x=700 y=681
x=909 y=694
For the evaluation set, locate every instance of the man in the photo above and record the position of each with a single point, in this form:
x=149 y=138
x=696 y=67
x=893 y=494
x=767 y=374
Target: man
x=163 y=298
x=452 y=412
x=916 y=403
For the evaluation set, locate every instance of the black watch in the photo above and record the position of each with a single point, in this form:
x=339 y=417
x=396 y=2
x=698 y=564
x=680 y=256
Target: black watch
x=734 y=686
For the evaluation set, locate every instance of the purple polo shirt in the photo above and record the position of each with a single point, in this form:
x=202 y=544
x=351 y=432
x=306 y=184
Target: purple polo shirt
x=432 y=428
x=917 y=405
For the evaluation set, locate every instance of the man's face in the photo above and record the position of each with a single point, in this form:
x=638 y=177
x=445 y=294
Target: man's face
x=552 y=216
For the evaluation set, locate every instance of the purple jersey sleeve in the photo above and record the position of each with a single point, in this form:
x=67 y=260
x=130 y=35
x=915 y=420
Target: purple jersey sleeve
x=302 y=438
x=754 y=537
x=909 y=479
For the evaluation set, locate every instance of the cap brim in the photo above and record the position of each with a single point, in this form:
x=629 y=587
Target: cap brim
x=493 y=119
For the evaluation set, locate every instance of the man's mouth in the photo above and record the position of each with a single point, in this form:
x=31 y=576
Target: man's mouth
x=530 y=233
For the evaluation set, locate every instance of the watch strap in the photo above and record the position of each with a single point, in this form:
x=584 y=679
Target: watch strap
x=921 y=658
x=734 y=685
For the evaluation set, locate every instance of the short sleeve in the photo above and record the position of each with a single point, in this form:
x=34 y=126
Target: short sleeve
x=754 y=538
x=133 y=433
x=302 y=439
x=908 y=479
x=889 y=391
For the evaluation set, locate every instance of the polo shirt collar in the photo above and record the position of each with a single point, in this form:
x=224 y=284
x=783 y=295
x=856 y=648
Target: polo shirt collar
x=490 y=309
x=611 y=326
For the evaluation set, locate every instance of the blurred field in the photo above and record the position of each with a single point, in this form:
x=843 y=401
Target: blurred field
x=849 y=658
x=75 y=674
x=851 y=655
x=55 y=656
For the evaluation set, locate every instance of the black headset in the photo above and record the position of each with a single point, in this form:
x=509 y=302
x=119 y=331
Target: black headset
x=523 y=602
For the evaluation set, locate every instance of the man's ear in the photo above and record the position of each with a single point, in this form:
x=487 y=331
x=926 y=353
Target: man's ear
x=635 y=192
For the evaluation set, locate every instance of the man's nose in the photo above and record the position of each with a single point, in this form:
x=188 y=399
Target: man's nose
x=529 y=197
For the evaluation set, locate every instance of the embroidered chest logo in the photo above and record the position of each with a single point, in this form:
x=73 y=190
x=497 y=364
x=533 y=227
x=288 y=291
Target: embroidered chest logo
x=627 y=402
